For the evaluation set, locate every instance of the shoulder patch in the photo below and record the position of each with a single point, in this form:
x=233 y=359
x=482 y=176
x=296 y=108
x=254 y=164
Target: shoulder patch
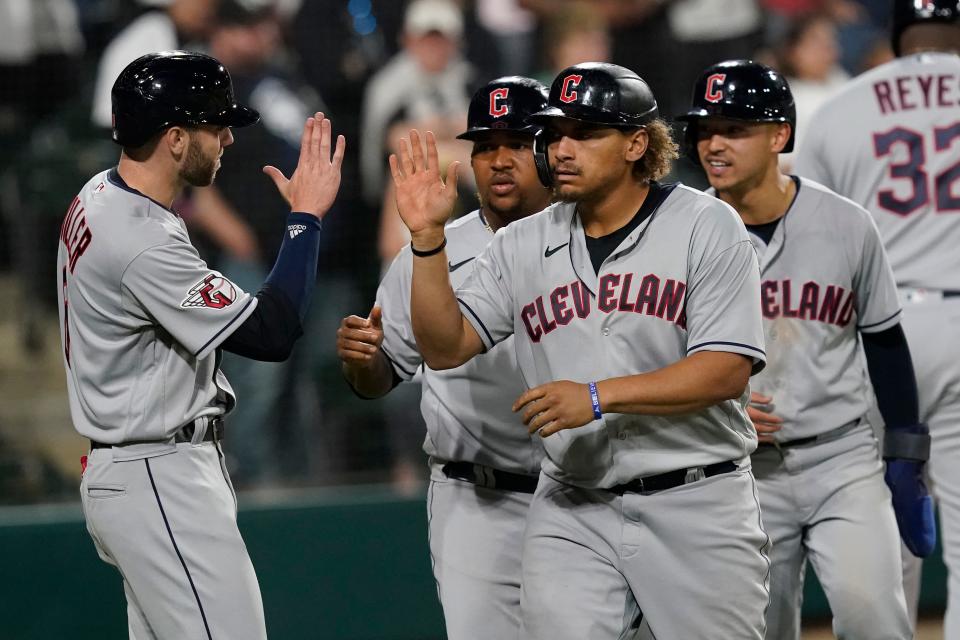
x=213 y=292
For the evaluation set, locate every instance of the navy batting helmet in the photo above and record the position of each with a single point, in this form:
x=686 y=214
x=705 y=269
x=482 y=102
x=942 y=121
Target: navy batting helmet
x=910 y=12
x=160 y=90
x=503 y=105
x=597 y=93
x=740 y=90
x=600 y=93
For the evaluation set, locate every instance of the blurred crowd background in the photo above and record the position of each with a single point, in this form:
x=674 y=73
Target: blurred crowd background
x=376 y=68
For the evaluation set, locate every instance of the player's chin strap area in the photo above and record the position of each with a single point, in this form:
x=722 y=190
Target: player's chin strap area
x=541 y=159
x=907 y=443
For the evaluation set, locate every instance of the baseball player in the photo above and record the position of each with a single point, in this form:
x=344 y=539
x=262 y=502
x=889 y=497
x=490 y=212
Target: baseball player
x=143 y=323
x=890 y=142
x=821 y=483
x=634 y=308
x=483 y=463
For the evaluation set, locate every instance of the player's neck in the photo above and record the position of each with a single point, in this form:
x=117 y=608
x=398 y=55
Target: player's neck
x=615 y=209
x=762 y=203
x=150 y=180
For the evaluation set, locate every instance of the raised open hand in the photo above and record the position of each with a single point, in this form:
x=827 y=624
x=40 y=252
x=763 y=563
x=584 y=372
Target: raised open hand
x=425 y=203
x=315 y=182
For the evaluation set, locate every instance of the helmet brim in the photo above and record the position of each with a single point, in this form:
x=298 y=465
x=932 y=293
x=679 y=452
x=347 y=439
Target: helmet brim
x=482 y=132
x=543 y=117
x=235 y=116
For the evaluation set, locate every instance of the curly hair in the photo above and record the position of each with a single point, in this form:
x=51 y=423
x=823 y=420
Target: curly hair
x=660 y=154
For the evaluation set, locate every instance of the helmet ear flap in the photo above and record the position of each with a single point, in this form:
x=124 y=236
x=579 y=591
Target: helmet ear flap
x=541 y=159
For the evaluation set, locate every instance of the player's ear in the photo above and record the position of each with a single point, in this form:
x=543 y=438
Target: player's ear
x=637 y=142
x=177 y=140
x=781 y=136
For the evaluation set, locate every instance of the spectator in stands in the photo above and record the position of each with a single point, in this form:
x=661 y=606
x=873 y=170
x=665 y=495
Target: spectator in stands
x=809 y=58
x=574 y=33
x=428 y=82
x=242 y=217
x=180 y=23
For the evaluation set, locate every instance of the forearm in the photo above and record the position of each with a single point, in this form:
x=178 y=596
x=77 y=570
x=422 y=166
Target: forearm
x=439 y=327
x=295 y=271
x=699 y=381
x=891 y=372
x=374 y=380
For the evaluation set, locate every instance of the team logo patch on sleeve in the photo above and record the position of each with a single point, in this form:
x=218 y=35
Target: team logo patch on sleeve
x=213 y=292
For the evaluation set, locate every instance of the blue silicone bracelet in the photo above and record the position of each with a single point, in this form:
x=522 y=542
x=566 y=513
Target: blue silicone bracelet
x=595 y=399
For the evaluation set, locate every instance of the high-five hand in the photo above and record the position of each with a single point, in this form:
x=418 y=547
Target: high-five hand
x=315 y=182
x=425 y=203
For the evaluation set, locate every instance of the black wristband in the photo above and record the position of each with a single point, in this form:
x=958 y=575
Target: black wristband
x=429 y=252
x=909 y=443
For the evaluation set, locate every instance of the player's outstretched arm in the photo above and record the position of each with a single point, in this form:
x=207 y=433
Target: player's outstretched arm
x=698 y=381
x=363 y=363
x=444 y=337
x=271 y=330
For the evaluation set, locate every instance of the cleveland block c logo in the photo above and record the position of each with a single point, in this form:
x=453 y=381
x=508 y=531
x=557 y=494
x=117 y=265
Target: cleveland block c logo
x=713 y=94
x=497 y=108
x=569 y=83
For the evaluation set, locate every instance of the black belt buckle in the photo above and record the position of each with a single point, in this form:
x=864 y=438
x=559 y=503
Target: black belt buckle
x=490 y=478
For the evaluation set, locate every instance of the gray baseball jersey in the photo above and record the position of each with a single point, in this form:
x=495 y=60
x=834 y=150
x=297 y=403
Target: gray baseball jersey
x=476 y=534
x=890 y=141
x=823 y=278
x=686 y=280
x=141 y=317
x=466 y=409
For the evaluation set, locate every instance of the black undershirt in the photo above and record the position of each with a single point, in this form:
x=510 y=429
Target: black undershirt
x=765 y=231
x=601 y=248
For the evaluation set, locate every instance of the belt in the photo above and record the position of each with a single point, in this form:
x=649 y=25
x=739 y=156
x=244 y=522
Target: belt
x=490 y=478
x=213 y=433
x=789 y=443
x=827 y=435
x=671 y=479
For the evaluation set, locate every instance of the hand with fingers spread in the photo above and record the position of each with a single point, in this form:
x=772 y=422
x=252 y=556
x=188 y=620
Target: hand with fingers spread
x=764 y=422
x=555 y=406
x=424 y=201
x=315 y=182
x=359 y=339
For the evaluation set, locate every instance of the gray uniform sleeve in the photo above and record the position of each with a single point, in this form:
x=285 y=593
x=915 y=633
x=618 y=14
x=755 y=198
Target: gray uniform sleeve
x=174 y=288
x=723 y=298
x=393 y=297
x=486 y=298
x=878 y=304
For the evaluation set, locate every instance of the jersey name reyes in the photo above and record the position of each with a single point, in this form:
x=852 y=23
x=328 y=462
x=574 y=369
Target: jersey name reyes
x=616 y=293
x=921 y=91
x=810 y=300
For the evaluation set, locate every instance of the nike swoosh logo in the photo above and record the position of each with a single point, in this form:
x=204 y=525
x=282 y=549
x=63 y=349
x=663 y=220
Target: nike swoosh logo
x=549 y=252
x=454 y=267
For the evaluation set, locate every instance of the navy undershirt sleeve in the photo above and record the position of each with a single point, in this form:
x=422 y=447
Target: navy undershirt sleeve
x=269 y=332
x=891 y=372
x=295 y=271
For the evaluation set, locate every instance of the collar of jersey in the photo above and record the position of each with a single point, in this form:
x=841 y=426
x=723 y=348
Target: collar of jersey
x=114 y=177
